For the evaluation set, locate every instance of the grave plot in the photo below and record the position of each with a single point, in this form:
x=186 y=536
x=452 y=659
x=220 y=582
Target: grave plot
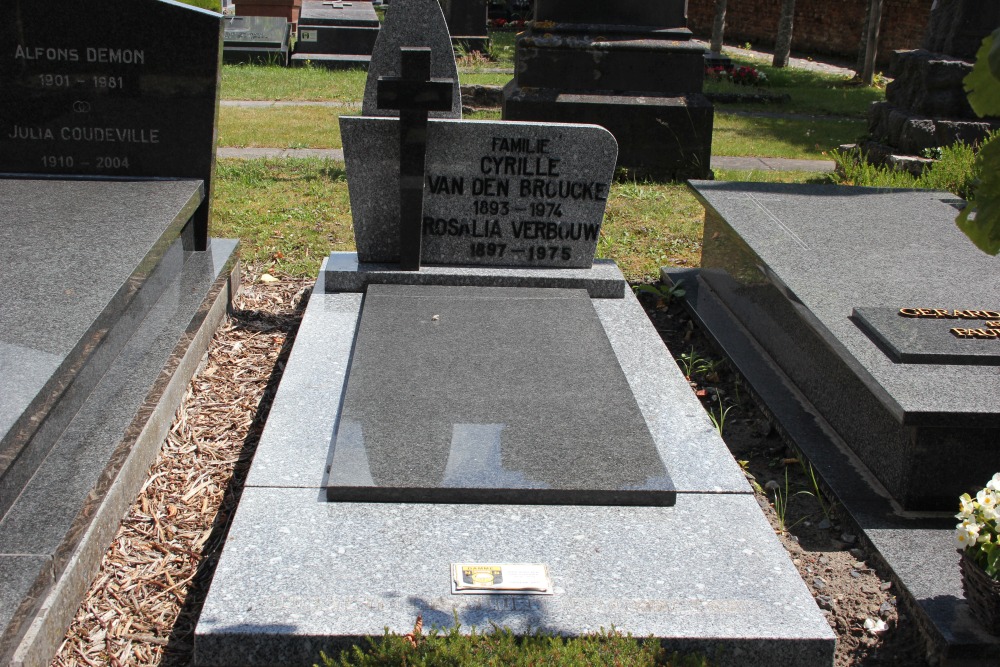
x=336 y=34
x=110 y=286
x=490 y=438
x=865 y=321
x=262 y=40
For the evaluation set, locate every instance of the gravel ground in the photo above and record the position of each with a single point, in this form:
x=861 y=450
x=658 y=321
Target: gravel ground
x=143 y=605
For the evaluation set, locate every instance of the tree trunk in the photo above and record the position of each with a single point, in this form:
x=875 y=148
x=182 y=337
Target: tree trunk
x=863 y=44
x=783 y=44
x=719 y=27
x=871 y=53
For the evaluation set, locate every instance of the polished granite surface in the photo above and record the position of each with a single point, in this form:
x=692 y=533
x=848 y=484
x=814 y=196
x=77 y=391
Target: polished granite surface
x=476 y=394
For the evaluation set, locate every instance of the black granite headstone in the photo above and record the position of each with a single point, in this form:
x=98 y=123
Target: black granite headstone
x=664 y=13
x=467 y=23
x=110 y=88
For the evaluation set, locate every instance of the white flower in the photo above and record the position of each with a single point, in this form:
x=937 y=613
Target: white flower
x=987 y=499
x=994 y=484
x=966 y=534
x=966 y=507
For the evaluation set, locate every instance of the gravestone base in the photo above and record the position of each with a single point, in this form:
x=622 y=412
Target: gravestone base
x=660 y=137
x=300 y=574
x=110 y=326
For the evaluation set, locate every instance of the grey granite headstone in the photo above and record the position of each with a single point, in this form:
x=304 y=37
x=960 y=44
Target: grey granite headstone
x=256 y=39
x=934 y=339
x=490 y=394
x=498 y=194
x=412 y=23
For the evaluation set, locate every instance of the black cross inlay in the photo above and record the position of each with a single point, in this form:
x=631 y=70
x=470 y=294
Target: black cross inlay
x=414 y=94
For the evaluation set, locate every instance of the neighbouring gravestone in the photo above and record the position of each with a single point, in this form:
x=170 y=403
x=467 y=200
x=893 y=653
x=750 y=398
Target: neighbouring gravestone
x=286 y=9
x=467 y=23
x=496 y=418
x=926 y=106
x=262 y=40
x=336 y=34
x=101 y=102
x=109 y=285
x=630 y=67
x=895 y=347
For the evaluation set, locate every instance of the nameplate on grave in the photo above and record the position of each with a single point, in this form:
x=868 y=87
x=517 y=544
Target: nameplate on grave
x=260 y=31
x=97 y=88
x=495 y=194
x=916 y=334
x=490 y=395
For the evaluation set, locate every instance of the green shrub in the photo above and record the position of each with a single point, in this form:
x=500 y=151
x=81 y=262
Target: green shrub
x=500 y=647
x=955 y=171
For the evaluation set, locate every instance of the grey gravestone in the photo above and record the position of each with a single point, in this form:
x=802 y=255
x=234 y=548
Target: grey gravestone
x=472 y=394
x=785 y=260
x=497 y=194
x=412 y=23
x=630 y=67
x=490 y=418
x=87 y=96
x=256 y=39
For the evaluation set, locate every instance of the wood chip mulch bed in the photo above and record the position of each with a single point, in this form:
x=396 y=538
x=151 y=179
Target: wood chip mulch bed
x=143 y=605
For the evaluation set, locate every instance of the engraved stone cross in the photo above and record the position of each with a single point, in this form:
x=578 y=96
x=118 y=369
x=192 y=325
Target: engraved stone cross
x=414 y=94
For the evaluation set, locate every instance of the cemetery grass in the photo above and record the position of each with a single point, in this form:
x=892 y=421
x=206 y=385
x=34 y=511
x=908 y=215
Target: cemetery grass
x=734 y=135
x=809 y=92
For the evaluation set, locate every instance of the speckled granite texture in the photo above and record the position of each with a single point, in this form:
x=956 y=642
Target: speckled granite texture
x=300 y=574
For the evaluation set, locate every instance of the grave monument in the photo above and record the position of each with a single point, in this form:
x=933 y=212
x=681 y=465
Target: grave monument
x=110 y=285
x=926 y=105
x=336 y=34
x=629 y=66
x=467 y=23
x=263 y=40
x=879 y=363
x=488 y=428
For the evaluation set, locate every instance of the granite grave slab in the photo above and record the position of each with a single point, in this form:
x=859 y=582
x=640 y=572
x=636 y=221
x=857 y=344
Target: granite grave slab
x=97 y=88
x=785 y=260
x=109 y=284
x=256 y=39
x=451 y=391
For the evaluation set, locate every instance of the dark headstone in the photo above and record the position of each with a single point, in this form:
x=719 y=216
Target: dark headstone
x=336 y=34
x=107 y=91
x=256 y=39
x=925 y=104
x=498 y=395
x=629 y=67
x=659 y=14
x=914 y=401
x=467 y=23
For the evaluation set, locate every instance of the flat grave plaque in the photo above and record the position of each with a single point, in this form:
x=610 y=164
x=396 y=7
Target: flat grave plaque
x=259 y=31
x=934 y=335
x=490 y=395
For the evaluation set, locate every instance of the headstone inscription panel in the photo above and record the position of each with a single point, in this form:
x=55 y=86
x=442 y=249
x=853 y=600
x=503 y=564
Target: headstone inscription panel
x=498 y=194
x=490 y=394
x=914 y=334
x=110 y=88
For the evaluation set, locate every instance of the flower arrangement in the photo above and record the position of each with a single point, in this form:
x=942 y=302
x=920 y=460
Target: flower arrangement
x=976 y=534
x=741 y=76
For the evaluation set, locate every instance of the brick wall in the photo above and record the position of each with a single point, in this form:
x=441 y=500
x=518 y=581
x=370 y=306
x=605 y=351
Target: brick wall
x=831 y=27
